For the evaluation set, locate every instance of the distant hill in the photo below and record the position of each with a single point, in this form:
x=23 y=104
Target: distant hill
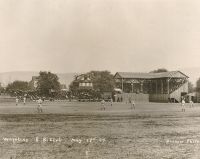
x=66 y=78
x=8 y=77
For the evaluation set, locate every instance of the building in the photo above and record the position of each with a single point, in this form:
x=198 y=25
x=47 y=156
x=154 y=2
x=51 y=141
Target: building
x=63 y=87
x=197 y=96
x=83 y=81
x=34 y=82
x=153 y=87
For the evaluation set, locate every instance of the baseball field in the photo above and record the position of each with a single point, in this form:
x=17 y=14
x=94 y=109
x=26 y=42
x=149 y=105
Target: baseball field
x=81 y=130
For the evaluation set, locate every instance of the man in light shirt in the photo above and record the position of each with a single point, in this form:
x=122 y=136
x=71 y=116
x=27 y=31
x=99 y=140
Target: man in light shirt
x=17 y=100
x=39 y=108
x=132 y=104
x=183 y=105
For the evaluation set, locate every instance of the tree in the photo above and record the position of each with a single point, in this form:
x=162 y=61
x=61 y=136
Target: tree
x=103 y=81
x=198 y=85
x=159 y=70
x=190 y=87
x=18 y=86
x=1 y=89
x=48 y=84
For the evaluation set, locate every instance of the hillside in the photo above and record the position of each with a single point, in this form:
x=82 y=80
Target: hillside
x=67 y=78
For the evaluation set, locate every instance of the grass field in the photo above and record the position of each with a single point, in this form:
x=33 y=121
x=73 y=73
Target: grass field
x=82 y=131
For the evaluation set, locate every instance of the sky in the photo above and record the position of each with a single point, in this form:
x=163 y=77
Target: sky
x=84 y=35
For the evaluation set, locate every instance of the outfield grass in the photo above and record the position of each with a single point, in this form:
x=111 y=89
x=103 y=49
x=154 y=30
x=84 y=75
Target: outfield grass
x=82 y=130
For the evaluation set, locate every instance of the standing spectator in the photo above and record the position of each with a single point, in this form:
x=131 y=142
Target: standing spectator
x=103 y=104
x=24 y=100
x=183 y=105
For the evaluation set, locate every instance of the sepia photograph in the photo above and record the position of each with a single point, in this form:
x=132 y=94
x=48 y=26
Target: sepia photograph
x=99 y=79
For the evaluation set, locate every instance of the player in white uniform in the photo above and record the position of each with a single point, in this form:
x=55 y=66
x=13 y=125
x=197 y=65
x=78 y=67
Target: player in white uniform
x=183 y=105
x=39 y=108
x=17 y=100
x=24 y=100
x=191 y=104
x=132 y=104
x=111 y=102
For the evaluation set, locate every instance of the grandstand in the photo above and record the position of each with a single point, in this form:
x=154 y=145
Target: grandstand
x=153 y=87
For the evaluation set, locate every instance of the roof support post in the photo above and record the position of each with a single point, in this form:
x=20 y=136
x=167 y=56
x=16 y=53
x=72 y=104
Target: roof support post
x=132 y=86
x=161 y=86
x=168 y=85
x=151 y=84
x=122 y=85
x=141 y=87
x=156 y=87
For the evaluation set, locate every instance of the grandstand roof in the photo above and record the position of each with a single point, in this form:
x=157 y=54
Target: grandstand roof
x=136 y=75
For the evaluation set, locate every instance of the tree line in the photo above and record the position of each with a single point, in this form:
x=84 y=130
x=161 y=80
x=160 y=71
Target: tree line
x=48 y=84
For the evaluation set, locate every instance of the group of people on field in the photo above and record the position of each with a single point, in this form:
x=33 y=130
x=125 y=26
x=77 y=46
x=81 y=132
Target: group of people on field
x=103 y=103
x=17 y=100
x=132 y=102
x=39 y=103
x=183 y=104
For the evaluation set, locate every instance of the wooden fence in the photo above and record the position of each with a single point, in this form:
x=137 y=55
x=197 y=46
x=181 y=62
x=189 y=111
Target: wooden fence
x=126 y=97
x=159 y=98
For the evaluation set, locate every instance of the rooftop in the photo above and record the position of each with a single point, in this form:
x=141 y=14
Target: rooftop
x=173 y=74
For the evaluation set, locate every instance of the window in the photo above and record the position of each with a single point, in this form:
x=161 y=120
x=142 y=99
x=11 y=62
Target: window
x=81 y=84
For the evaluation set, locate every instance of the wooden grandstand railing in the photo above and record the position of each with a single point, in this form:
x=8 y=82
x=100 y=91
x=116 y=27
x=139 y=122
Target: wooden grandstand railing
x=176 y=92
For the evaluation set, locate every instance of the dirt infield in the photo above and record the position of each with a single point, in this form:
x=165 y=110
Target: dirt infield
x=81 y=130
